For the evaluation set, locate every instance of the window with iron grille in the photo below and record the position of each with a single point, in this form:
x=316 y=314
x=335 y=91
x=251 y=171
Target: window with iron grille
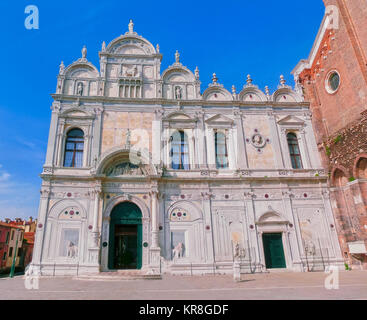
x=294 y=151
x=180 y=151
x=221 y=152
x=74 y=148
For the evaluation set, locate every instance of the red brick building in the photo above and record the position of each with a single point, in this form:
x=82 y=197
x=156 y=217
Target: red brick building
x=4 y=244
x=334 y=81
x=10 y=231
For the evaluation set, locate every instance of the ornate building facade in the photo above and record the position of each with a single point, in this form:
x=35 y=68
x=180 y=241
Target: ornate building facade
x=334 y=80
x=144 y=171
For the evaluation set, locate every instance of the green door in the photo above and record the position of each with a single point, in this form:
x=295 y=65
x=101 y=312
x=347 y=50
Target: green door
x=273 y=250
x=125 y=243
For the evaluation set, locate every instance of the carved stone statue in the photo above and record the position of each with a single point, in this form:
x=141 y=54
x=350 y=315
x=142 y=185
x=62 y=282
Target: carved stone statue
x=84 y=52
x=178 y=93
x=79 y=90
x=157 y=49
x=177 y=252
x=177 y=57
x=131 y=26
x=62 y=68
x=103 y=46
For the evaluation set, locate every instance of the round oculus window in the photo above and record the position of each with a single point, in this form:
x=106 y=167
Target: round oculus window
x=332 y=82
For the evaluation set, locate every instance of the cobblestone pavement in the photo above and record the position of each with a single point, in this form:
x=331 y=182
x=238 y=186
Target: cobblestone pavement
x=270 y=286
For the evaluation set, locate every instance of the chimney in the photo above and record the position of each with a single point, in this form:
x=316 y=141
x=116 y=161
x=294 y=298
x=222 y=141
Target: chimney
x=30 y=219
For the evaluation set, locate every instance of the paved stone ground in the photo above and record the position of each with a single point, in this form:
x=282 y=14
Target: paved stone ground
x=270 y=286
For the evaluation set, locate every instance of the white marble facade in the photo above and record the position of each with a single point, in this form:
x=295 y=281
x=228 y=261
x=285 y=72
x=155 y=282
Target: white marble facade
x=220 y=215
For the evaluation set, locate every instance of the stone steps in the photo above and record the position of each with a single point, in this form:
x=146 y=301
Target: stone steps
x=120 y=275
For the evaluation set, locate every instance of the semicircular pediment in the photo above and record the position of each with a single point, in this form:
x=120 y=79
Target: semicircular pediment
x=131 y=45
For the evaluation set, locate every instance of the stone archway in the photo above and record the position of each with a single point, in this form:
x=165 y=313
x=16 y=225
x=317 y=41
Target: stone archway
x=125 y=238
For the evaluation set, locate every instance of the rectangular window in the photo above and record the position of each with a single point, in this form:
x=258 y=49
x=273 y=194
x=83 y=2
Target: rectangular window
x=7 y=238
x=4 y=256
x=221 y=152
x=10 y=252
x=12 y=235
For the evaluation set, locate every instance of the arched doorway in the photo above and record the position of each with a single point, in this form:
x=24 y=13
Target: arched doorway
x=125 y=250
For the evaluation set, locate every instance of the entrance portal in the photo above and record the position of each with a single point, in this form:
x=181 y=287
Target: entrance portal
x=273 y=250
x=125 y=250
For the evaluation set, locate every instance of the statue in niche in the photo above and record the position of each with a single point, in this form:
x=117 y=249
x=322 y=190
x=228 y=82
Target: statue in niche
x=178 y=93
x=178 y=250
x=80 y=89
x=72 y=250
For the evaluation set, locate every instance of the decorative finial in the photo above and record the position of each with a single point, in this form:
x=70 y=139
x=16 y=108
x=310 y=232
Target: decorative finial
x=157 y=48
x=197 y=76
x=282 y=80
x=249 y=80
x=233 y=90
x=177 y=57
x=62 y=68
x=215 y=79
x=84 y=52
x=131 y=26
x=103 y=46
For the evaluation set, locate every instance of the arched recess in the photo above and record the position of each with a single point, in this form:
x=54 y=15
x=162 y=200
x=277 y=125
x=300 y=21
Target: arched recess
x=66 y=232
x=272 y=228
x=360 y=167
x=184 y=224
x=106 y=223
x=117 y=154
x=339 y=177
x=125 y=240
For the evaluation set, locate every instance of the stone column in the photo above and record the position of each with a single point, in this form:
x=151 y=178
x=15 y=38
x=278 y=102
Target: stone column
x=330 y=220
x=52 y=135
x=211 y=148
x=252 y=233
x=97 y=132
x=97 y=196
x=279 y=155
x=155 y=250
x=41 y=226
x=208 y=226
x=295 y=237
x=242 y=161
x=201 y=139
x=307 y=163
x=285 y=150
x=155 y=220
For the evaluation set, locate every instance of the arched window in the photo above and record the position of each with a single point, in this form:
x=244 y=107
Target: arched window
x=294 y=151
x=180 y=151
x=221 y=153
x=74 y=148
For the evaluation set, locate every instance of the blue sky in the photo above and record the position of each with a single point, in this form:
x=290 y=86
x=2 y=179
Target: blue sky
x=231 y=38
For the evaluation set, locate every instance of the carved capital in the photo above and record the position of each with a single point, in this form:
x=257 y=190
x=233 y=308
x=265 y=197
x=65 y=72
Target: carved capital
x=45 y=192
x=287 y=194
x=249 y=195
x=207 y=195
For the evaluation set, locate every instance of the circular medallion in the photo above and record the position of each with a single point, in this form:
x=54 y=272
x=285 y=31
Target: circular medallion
x=105 y=244
x=145 y=244
x=258 y=141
